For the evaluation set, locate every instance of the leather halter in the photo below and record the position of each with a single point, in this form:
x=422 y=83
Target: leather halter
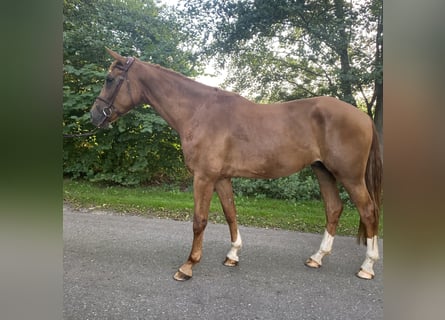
x=110 y=109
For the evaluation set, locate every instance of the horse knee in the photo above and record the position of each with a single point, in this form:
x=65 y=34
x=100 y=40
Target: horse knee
x=199 y=225
x=338 y=208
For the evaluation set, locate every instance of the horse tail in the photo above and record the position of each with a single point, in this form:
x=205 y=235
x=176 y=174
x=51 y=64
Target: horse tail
x=373 y=179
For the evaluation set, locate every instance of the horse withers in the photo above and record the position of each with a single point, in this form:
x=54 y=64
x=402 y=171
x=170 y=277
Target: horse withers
x=224 y=135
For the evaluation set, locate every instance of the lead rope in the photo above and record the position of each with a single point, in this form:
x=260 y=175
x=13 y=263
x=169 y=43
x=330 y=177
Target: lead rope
x=85 y=134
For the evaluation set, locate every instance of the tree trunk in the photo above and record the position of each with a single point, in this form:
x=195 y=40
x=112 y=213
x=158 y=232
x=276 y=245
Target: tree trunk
x=378 y=112
x=342 y=50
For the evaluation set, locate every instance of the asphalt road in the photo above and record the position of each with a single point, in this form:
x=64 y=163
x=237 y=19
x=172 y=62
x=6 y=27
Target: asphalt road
x=121 y=267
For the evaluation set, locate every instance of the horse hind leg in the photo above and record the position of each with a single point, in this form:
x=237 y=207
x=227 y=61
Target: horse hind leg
x=333 y=210
x=369 y=224
x=225 y=193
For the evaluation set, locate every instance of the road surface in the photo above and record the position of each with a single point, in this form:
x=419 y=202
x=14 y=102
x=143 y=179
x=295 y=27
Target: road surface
x=121 y=267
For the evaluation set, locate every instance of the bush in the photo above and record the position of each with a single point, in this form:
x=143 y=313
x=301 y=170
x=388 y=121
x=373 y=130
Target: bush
x=297 y=187
x=140 y=149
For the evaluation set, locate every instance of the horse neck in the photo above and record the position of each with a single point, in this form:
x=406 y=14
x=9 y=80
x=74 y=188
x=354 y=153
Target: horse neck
x=172 y=95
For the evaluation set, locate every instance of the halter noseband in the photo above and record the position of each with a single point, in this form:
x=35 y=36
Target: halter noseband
x=110 y=109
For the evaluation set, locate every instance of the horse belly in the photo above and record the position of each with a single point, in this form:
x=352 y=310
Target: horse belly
x=280 y=163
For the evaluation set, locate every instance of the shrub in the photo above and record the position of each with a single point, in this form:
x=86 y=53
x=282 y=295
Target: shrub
x=297 y=187
x=141 y=148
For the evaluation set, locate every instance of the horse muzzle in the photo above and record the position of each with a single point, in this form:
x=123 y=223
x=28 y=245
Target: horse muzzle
x=100 y=117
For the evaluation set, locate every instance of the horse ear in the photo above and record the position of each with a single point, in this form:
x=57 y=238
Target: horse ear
x=116 y=56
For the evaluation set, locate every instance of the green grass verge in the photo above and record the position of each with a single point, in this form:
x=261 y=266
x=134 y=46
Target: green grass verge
x=164 y=202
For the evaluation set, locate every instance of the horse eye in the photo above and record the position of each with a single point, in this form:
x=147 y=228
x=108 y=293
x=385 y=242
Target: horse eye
x=109 y=79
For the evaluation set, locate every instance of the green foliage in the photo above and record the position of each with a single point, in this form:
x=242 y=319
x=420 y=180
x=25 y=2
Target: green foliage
x=140 y=147
x=299 y=186
x=281 y=50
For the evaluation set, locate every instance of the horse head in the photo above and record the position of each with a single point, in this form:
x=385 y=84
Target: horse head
x=113 y=101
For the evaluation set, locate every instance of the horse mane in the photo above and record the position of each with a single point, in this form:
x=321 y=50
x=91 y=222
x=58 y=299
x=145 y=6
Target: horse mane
x=167 y=70
x=183 y=77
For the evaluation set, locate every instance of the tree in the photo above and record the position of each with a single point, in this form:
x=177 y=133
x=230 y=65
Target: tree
x=140 y=147
x=288 y=49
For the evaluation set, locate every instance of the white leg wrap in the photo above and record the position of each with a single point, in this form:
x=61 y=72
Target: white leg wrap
x=372 y=255
x=233 y=253
x=325 y=247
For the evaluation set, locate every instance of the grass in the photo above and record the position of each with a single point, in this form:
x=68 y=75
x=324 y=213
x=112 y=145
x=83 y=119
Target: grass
x=168 y=202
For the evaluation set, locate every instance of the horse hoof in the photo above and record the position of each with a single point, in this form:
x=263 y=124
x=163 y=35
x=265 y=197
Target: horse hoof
x=230 y=263
x=181 y=276
x=312 y=264
x=364 y=275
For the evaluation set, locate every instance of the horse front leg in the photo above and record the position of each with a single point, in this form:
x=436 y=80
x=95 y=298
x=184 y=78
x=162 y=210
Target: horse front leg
x=203 y=190
x=225 y=193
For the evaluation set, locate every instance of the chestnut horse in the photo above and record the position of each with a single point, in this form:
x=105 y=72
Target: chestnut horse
x=224 y=135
